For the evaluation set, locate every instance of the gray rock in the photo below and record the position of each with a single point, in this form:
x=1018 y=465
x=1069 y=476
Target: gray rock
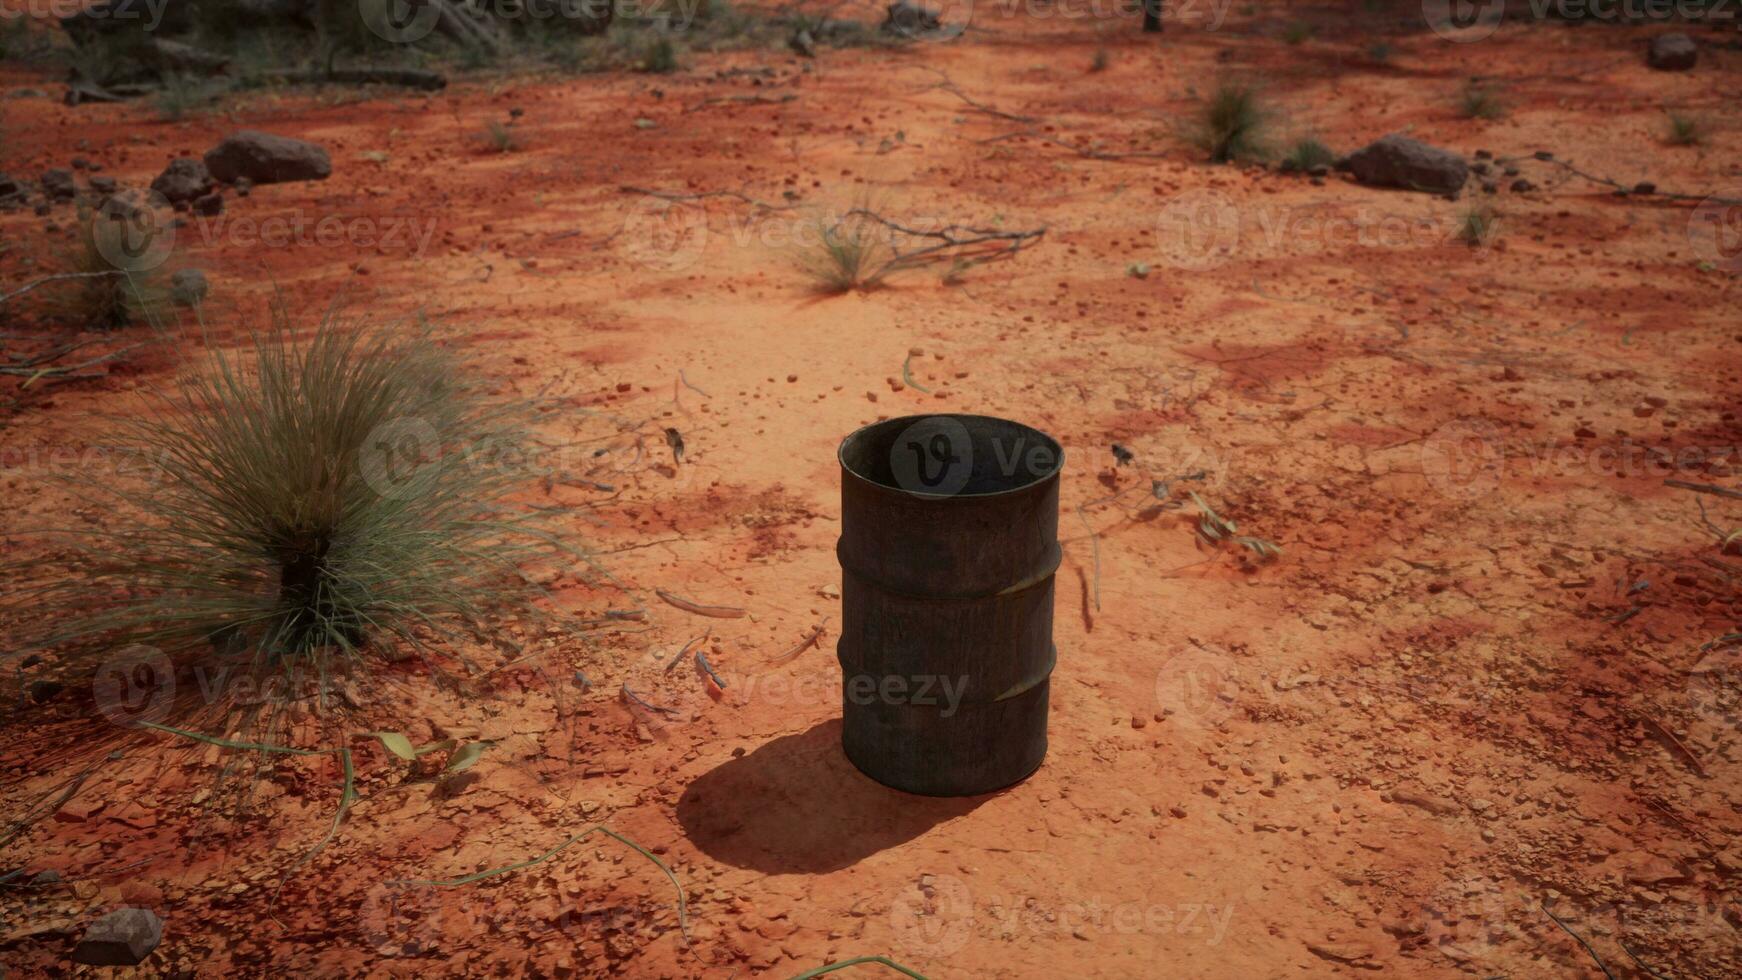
x=910 y=20
x=1398 y=161
x=183 y=180
x=803 y=44
x=1672 y=52
x=209 y=206
x=10 y=187
x=124 y=937
x=188 y=287
x=104 y=185
x=59 y=184
x=267 y=159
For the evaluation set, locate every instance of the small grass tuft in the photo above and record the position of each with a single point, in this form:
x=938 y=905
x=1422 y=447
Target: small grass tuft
x=121 y=279
x=852 y=252
x=1379 y=52
x=1308 y=153
x=659 y=57
x=1685 y=130
x=1231 y=124
x=503 y=137
x=1297 y=33
x=1101 y=61
x=1478 y=225
x=1480 y=101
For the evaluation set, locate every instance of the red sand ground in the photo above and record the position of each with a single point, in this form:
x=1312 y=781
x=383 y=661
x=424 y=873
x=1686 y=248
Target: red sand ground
x=1471 y=686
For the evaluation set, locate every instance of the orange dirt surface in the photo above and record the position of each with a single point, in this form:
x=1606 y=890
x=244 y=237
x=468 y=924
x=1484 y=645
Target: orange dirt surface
x=1472 y=685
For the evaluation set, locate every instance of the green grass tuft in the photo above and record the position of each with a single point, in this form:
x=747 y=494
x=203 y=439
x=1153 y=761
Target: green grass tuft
x=1478 y=225
x=1308 y=153
x=1297 y=33
x=1685 y=130
x=1231 y=125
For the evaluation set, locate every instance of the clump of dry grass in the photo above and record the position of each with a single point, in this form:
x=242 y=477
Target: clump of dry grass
x=1477 y=100
x=116 y=270
x=848 y=253
x=311 y=514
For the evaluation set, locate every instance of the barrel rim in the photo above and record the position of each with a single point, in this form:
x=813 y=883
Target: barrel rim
x=1058 y=452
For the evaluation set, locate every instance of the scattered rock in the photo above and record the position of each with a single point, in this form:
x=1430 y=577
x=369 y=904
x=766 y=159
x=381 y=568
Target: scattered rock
x=124 y=937
x=1339 y=953
x=188 y=287
x=1658 y=871
x=264 y=158
x=1672 y=52
x=910 y=20
x=1522 y=186
x=58 y=184
x=185 y=179
x=243 y=186
x=1398 y=161
x=803 y=43
x=43 y=879
x=209 y=206
x=10 y=187
x=1645 y=187
x=1431 y=804
x=104 y=185
x=43 y=691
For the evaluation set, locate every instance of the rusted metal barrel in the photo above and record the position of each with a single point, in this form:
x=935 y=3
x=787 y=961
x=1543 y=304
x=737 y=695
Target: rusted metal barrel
x=949 y=542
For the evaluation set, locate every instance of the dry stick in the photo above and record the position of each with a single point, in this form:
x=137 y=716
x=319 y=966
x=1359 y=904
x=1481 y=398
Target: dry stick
x=1606 y=182
x=811 y=638
x=687 y=647
x=734 y=195
x=742 y=100
x=61 y=277
x=1086 y=153
x=718 y=612
x=1683 y=750
x=951 y=239
x=643 y=702
x=682 y=905
x=33 y=374
x=949 y=86
x=1704 y=488
x=1642 y=965
x=907 y=376
x=856 y=961
x=1600 y=964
